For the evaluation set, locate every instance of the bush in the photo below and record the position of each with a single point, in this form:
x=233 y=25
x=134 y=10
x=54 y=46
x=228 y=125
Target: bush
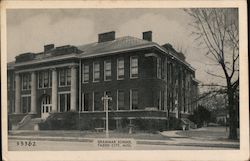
x=62 y=121
x=150 y=125
x=175 y=124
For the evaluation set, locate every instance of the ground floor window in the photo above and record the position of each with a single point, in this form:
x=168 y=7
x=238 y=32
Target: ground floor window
x=121 y=100
x=134 y=99
x=86 y=102
x=98 y=106
x=64 y=102
x=26 y=104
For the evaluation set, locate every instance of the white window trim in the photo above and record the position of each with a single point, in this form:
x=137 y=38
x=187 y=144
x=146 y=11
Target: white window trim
x=94 y=72
x=66 y=78
x=104 y=71
x=117 y=68
x=63 y=93
x=50 y=80
x=22 y=82
x=23 y=96
x=83 y=67
x=131 y=67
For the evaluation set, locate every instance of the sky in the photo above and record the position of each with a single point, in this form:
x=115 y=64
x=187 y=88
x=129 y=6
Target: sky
x=28 y=30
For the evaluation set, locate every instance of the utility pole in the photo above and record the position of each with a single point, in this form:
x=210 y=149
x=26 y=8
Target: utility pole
x=105 y=100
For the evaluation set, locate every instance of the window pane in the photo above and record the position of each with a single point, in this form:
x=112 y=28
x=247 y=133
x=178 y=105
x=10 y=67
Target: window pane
x=87 y=100
x=62 y=102
x=68 y=77
x=68 y=102
x=62 y=77
x=40 y=80
x=85 y=73
x=121 y=98
x=98 y=102
x=134 y=67
x=107 y=70
x=120 y=68
x=134 y=98
x=46 y=79
x=96 y=71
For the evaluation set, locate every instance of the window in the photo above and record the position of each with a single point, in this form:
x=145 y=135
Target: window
x=86 y=100
x=65 y=77
x=120 y=68
x=159 y=68
x=85 y=73
x=64 y=102
x=26 y=79
x=98 y=106
x=134 y=99
x=134 y=67
x=96 y=71
x=26 y=104
x=107 y=70
x=108 y=93
x=44 y=79
x=121 y=100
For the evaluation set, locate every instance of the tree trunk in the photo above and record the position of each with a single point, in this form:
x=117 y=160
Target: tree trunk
x=232 y=115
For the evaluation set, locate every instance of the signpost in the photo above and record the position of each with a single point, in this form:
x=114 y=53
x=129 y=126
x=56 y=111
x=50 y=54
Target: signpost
x=105 y=100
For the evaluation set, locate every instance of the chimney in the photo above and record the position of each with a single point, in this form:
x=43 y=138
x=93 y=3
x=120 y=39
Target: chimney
x=107 y=36
x=147 y=35
x=48 y=47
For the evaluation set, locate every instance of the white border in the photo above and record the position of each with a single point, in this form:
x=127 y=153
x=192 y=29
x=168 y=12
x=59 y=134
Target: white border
x=242 y=154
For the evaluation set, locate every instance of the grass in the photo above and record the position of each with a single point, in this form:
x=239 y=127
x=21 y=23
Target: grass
x=207 y=133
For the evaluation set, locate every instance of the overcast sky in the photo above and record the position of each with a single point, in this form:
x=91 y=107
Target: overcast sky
x=29 y=30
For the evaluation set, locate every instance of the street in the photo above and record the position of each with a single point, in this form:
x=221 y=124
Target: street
x=14 y=145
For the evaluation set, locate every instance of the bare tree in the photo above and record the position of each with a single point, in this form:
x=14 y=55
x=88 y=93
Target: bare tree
x=217 y=30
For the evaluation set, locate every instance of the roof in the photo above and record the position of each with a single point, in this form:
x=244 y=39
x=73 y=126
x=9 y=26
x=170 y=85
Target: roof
x=121 y=43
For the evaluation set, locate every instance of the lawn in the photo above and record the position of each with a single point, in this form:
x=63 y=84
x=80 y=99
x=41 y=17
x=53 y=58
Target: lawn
x=207 y=133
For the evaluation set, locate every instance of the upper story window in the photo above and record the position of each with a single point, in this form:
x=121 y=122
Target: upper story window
x=85 y=73
x=107 y=70
x=64 y=77
x=133 y=67
x=44 y=79
x=26 y=79
x=120 y=68
x=159 y=68
x=96 y=71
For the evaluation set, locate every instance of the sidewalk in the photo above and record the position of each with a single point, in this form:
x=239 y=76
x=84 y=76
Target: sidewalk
x=173 y=139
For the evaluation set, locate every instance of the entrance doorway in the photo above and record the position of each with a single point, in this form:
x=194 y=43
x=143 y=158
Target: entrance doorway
x=46 y=107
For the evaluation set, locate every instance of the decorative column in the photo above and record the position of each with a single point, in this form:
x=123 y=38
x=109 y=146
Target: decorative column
x=54 y=90
x=18 y=94
x=33 y=93
x=73 y=89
